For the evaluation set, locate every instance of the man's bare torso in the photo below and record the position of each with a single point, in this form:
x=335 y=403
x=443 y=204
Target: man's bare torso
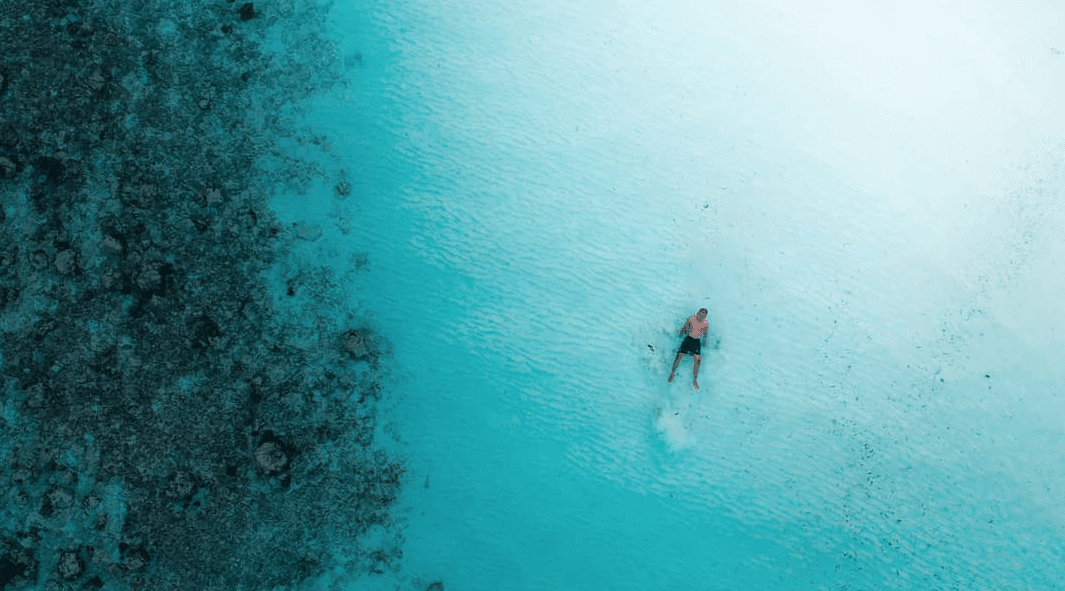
x=696 y=328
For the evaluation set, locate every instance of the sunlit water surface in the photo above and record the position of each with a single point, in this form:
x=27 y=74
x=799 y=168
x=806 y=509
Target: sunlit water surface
x=866 y=201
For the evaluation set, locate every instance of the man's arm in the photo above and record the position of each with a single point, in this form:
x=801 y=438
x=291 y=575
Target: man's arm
x=685 y=327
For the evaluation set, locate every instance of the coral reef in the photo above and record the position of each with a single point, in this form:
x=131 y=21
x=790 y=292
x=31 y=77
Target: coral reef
x=163 y=425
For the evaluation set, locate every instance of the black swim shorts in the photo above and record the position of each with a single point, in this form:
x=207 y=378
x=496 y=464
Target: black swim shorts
x=690 y=345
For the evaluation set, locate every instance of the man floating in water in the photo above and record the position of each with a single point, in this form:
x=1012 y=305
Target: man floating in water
x=696 y=326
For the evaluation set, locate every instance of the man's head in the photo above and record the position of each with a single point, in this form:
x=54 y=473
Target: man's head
x=701 y=315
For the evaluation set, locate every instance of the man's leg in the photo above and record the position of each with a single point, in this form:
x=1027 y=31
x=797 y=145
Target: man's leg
x=680 y=356
x=695 y=378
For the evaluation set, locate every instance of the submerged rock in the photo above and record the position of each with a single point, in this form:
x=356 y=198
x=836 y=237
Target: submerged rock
x=355 y=344
x=70 y=565
x=271 y=457
x=308 y=232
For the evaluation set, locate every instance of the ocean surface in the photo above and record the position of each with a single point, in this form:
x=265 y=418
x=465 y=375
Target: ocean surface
x=868 y=201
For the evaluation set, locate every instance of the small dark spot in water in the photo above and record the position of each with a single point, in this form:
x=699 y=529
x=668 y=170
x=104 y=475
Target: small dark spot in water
x=650 y=347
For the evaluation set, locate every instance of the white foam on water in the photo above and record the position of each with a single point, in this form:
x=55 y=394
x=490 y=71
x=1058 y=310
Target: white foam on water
x=671 y=425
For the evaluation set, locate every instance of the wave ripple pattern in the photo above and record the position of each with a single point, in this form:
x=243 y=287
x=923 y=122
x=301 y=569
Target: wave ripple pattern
x=557 y=187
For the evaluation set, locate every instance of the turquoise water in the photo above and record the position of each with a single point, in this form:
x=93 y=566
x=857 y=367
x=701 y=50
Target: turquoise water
x=867 y=203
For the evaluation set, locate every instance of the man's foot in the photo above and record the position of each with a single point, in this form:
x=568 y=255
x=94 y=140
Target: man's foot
x=696 y=384
x=671 y=377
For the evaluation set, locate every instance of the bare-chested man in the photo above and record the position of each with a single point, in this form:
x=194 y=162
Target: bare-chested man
x=696 y=327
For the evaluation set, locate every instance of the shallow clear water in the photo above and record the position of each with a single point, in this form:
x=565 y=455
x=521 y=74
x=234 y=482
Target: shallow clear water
x=866 y=202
